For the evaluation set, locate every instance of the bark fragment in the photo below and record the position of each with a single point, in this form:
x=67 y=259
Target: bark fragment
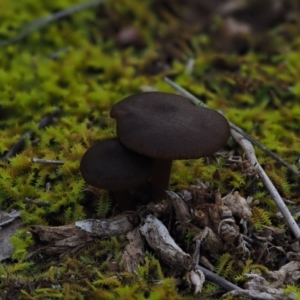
x=105 y=228
x=159 y=239
x=71 y=238
x=134 y=251
x=59 y=240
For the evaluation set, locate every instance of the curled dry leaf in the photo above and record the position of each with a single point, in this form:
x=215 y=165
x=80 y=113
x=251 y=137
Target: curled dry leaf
x=218 y=218
x=287 y=274
x=212 y=223
x=212 y=240
x=238 y=205
x=228 y=230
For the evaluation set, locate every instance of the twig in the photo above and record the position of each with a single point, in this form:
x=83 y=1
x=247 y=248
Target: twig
x=18 y=147
x=47 y=161
x=184 y=92
x=250 y=153
x=214 y=278
x=198 y=102
x=37 y=202
x=39 y=23
x=196 y=254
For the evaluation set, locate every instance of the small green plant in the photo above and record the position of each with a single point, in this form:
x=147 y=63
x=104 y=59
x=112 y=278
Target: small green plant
x=250 y=267
x=260 y=217
x=225 y=266
x=292 y=290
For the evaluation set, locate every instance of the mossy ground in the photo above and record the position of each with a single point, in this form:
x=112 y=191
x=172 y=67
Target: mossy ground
x=76 y=64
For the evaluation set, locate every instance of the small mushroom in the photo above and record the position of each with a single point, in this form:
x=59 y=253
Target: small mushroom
x=108 y=164
x=166 y=127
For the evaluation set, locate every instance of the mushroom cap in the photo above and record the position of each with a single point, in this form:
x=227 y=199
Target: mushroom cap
x=110 y=165
x=168 y=126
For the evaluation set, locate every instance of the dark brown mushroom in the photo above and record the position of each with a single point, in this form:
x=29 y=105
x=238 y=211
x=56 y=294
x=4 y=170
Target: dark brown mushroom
x=108 y=164
x=166 y=127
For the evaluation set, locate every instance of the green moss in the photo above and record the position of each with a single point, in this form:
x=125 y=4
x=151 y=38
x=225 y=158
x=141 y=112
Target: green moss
x=293 y=291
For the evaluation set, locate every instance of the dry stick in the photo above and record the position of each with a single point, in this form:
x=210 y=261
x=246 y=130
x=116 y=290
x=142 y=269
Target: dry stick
x=47 y=161
x=37 y=202
x=37 y=24
x=210 y=276
x=216 y=279
x=250 y=153
x=198 y=102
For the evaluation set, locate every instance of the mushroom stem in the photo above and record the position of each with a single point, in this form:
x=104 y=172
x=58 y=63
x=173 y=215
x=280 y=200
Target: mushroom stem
x=160 y=178
x=124 y=200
